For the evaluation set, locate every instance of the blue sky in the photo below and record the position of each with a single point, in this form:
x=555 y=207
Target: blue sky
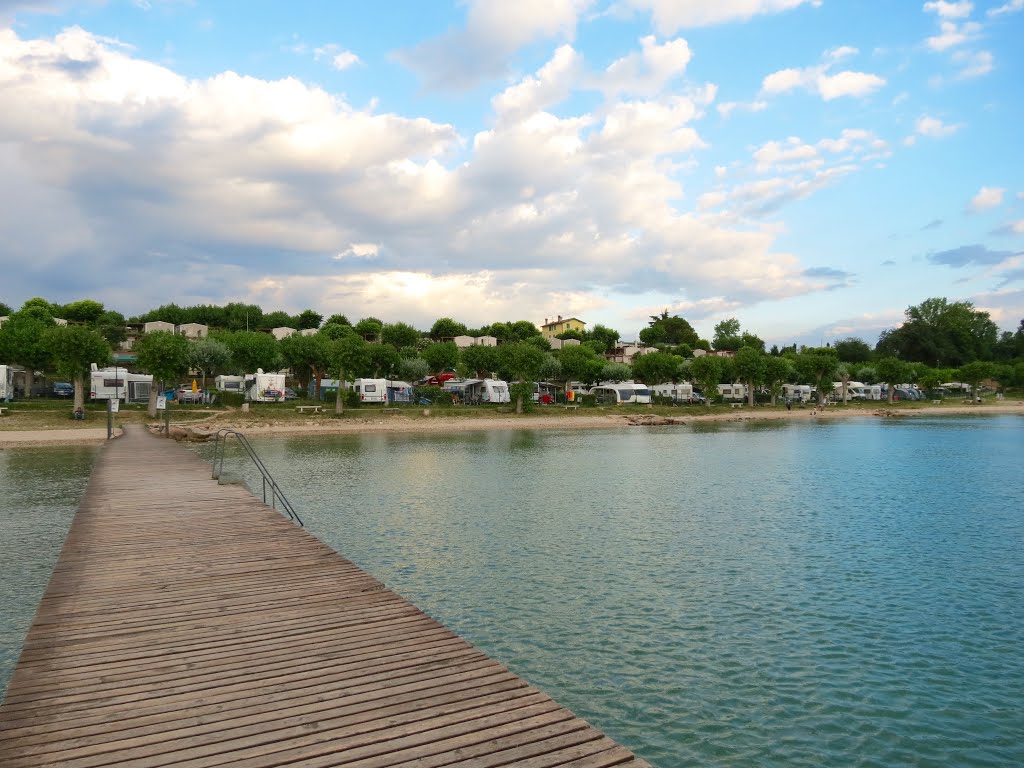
x=810 y=167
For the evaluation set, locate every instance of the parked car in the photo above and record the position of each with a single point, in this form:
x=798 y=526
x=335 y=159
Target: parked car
x=63 y=389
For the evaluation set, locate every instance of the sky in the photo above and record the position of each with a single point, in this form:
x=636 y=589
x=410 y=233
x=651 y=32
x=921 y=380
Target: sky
x=810 y=167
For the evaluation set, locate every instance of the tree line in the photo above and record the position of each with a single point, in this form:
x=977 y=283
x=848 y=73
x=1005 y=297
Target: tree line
x=940 y=341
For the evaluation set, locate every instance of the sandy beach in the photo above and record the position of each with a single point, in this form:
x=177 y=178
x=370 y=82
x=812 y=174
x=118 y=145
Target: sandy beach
x=374 y=423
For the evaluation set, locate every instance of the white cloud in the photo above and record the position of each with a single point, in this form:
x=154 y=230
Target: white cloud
x=460 y=58
x=934 y=128
x=1011 y=7
x=672 y=15
x=817 y=79
x=551 y=84
x=726 y=108
x=987 y=198
x=360 y=251
x=974 y=64
x=648 y=72
x=947 y=10
x=952 y=35
x=340 y=59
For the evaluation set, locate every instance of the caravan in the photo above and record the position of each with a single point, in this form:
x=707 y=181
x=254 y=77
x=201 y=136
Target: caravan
x=118 y=384
x=263 y=387
x=732 y=393
x=229 y=383
x=6 y=384
x=677 y=393
x=494 y=391
x=372 y=390
x=796 y=393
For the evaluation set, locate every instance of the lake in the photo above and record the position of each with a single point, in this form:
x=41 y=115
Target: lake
x=754 y=593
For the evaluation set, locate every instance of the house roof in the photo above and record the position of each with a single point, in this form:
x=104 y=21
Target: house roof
x=562 y=320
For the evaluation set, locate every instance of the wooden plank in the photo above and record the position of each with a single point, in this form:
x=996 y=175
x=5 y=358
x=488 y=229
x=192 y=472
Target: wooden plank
x=188 y=624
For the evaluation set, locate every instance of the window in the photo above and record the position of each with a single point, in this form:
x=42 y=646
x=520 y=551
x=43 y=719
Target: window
x=370 y=388
x=114 y=383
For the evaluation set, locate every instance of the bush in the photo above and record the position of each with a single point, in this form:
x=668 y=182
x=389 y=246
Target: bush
x=662 y=400
x=587 y=400
x=435 y=395
x=234 y=399
x=524 y=388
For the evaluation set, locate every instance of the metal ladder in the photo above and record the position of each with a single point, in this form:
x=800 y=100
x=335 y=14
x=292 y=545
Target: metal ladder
x=276 y=494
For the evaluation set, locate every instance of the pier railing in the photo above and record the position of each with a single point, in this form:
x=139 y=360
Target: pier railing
x=269 y=483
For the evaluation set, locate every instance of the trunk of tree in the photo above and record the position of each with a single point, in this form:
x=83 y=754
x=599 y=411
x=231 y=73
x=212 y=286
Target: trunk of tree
x=889 y=391
x=79 y=391
x=846 y=381
x=339 y=401
x=750 y=393
x=151 y=408
x=519 y=403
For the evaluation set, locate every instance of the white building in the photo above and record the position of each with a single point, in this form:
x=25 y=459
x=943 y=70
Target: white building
x=158 y=325
x=193 y=330
x=282 y=332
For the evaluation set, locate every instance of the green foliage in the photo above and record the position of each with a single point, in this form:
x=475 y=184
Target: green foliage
x=892 y=371
x=706 y=372
x=941 y=333
x=670 y=330
x=550 y=369
x=727 y=335
x=580 y=364
x=84 y=311
x=209 y=356
x=655 y=367
x=853 y=350
x=251 y=350
x=413 y=369
x=777 y=370
x=5 y=310
x=571 y=334
x=384 y=360
x=277 y=319
x=350 y=357
x=163 y=354
x=369 y=326
x=539 y=342
x=335 y=331
x=616 y=372
x=441 y=356
x=72 y=350
x=21 y=338
x=434 y=394
x=817 y=364
x=446 y=328
x=399 y=335
x=309 y=356
x=750 y=365
x=480 y=360
x=338 y=320
x=975 y=372
x=521 y=362
x=608 y=337
x=40 y=308
x=308 y=318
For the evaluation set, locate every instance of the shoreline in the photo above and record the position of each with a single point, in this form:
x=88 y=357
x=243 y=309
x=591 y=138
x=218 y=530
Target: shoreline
x=445 y=424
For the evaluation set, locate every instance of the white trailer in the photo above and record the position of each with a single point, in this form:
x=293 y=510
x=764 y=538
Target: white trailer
x=494 y=391
x=732 y=392
x=796 y=393
x=372 y=390
x=854 y=390
x=677 y=393
x=229 y=383
x=119 y=384
x=263 y=387
x=872 y=391
x=6 y=383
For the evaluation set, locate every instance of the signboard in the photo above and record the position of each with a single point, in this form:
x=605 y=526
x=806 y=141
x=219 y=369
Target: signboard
x=161 y=402
x=115 y=404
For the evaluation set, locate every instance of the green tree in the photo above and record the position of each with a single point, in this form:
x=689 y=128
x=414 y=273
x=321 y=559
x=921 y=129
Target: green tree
x=608 y=337
x=369 y=327
x=655 y=368
x=540 y=343
x=480 y=359
x=446 y=328
x=165 y=355
x=251 y=350
x=338 y=320
x=616 y=372
x=209 y=356
x=350 y=357
x=21 y=341
x=73 y=349
x=820 y=365
x=750 y=363
x=975 y=372
x=384 y=360
x=308 y=318
x=521 y=362
x=277 y=319
x=413 y=369
x=852 y=350
x=727 y=335
x=86 y=311
x=941 y=333
x=892 y=371
x=399 y=335
x=39 y=307
x=550 y=369
x=309 y=356
x=706 y=371
x=441 y=356
x=669 y=329
x=777 y=370
x=5 y=310
x=580 y=364
x=112 y=326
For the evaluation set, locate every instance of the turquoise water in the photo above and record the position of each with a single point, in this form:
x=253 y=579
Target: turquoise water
x=737 y=594
x=39 y=491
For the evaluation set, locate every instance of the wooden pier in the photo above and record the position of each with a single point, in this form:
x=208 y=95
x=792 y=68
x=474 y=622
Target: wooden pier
x=188 y=624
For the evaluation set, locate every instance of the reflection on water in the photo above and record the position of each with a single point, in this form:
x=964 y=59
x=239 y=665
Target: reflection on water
x=39 y=491
x=732 y=593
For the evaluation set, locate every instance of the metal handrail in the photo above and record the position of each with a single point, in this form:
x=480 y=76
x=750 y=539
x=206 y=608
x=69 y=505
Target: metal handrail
x=276 y=494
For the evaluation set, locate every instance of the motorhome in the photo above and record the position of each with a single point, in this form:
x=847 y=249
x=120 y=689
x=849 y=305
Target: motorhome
x=263 y=387
x=854 y=390
x=796 y=393
x=371 y=390
x=677 y=393
x=6 y=383
x=229 y=383
x=118 y=384
x=732 y=392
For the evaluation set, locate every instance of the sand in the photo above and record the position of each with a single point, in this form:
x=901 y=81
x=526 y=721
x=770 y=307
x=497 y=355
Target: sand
x=569 y=420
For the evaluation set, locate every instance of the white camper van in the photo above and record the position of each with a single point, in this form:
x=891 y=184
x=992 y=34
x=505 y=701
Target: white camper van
x=229 y=383
x=118 y=384
x=732 y=393
x=677 y=393
x=372 y=390
x=263 y=387
x=6 y=384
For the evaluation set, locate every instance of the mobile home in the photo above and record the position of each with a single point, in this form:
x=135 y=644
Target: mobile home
x=372 y=390
x=732 y=392
x=229 y=383
x=677 y=393
x=263 y=387
x=6 y=383
x=118 y=384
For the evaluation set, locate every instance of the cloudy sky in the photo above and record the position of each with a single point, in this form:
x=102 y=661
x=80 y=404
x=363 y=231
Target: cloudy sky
x=812 y=167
